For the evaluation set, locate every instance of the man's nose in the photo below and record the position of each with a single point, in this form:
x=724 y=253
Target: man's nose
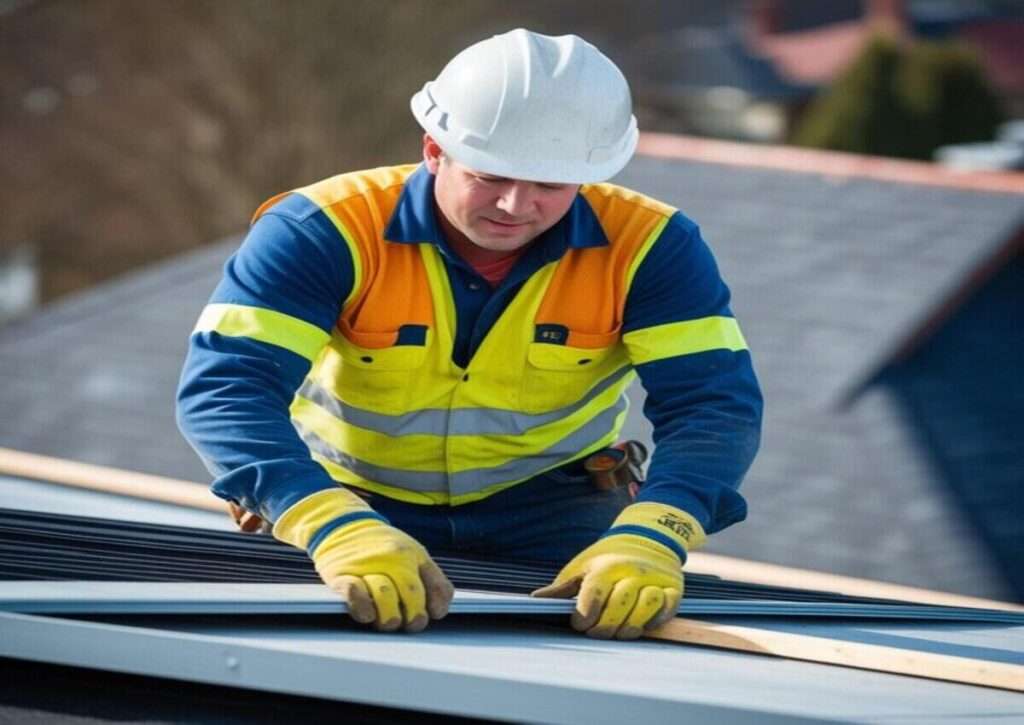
x=516 y=199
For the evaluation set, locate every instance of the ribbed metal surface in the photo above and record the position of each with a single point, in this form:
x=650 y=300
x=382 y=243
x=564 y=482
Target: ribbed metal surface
x=45 y=546
x=90 y=598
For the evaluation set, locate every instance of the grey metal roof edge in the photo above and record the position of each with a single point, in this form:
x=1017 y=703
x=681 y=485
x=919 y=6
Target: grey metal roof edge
x=959 y=292
x=113 y=597
x=127 y=288
x=404 y=685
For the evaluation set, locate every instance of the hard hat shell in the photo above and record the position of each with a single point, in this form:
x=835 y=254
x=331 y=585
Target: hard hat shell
x=528 y=106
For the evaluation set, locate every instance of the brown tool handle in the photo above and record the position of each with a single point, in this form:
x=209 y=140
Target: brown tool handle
x=607 y=470
x=247 y=521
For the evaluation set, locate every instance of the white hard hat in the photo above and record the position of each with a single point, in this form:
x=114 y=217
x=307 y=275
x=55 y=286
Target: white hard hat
x=536 y=107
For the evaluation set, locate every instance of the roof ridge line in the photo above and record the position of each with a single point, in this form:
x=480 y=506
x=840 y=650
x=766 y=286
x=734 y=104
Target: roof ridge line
x=837 y=164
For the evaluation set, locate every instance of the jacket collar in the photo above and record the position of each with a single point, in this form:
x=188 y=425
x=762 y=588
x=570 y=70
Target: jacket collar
x=414 y=221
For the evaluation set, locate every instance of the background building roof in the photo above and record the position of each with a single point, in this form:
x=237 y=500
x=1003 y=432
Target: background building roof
x=828 y=274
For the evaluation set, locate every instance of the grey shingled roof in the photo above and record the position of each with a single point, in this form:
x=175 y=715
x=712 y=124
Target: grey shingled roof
x=827 y=276
x=93 y=377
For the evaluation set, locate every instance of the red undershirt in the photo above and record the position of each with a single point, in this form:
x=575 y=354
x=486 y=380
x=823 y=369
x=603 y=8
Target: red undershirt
x=492 y=265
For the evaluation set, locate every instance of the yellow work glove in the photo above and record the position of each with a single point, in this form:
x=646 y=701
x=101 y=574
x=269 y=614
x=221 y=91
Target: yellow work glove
x=631 y=579
x=384 y=575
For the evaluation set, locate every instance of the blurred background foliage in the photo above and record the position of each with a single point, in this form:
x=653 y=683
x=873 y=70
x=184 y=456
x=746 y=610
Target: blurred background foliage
x=133 y=130
x=905 y=100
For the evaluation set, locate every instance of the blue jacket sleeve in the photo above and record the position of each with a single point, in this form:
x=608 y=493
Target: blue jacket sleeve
x=703 y=397
x=290 y=275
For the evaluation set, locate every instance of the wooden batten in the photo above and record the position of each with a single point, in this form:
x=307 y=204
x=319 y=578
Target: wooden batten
x=893 y=660
x=108 y=480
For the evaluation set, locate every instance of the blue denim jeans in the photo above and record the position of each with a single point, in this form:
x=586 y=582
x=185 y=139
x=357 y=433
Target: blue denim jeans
x=549 y=518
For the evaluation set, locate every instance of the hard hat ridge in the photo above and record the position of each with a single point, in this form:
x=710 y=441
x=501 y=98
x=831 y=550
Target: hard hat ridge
x=530 y=106
x=553 y=58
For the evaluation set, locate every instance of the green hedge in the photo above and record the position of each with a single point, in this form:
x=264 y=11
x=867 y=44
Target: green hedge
x=903 y=100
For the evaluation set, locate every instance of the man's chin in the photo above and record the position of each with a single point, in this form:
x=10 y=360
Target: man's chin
x=501 y=243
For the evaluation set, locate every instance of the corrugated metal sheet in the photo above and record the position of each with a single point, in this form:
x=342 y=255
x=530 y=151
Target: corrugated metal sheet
x=115 y=597
x=45 y=546
x=493 y=666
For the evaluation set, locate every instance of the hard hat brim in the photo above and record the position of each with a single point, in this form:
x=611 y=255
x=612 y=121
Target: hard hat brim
x=548 y=170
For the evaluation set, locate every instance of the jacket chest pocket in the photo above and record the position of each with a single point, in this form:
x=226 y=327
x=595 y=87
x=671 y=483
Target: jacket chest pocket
x=378 y=378
x=557 y=376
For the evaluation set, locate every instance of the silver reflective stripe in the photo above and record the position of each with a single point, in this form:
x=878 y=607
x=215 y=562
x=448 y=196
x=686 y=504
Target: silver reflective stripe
x=493 y=421
x=440 y=421
x=431 y=421
x=473 y=480
x=425 y=481
x=563 y=451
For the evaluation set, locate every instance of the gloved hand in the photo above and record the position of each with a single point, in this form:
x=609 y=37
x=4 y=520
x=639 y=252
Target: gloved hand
x=631 y=579
x=384 y=575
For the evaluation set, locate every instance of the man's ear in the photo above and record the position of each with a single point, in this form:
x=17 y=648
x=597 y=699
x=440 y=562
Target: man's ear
x=432 y=153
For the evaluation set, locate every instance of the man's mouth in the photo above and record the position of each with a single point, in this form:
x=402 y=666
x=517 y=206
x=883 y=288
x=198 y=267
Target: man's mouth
x=507 y=223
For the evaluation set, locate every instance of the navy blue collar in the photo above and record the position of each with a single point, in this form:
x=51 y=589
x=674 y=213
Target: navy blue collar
x=414 y=221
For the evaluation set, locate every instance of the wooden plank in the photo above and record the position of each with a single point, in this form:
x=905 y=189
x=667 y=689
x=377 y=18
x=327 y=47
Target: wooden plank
x=756 y=572
x=108 y=480
x=858 y=655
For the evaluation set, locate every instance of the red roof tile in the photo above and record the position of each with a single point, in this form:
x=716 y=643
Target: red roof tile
x=829 y=163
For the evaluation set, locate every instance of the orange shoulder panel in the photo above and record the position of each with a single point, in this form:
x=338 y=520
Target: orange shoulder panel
x=589 y=288
x=394 y=289
x=398 y=294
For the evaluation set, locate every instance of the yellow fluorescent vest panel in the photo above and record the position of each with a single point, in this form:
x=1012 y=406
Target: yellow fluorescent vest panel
x=403 y=420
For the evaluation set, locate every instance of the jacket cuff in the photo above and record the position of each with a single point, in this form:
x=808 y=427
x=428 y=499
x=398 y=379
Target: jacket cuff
x=667 y=525
x=308 y=521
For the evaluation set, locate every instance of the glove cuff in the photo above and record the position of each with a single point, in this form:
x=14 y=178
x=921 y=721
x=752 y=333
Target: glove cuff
x=667 y=525
x=308 y=522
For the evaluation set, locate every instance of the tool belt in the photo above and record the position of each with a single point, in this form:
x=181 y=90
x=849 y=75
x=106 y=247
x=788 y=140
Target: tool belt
x=618 y=465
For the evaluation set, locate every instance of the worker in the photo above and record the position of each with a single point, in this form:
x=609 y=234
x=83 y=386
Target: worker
x=424 y=357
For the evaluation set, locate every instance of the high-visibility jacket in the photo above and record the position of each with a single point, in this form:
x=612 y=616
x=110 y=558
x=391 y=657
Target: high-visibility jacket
x=387 y=404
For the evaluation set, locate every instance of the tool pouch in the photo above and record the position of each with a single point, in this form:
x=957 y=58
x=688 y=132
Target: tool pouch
x=618 y=465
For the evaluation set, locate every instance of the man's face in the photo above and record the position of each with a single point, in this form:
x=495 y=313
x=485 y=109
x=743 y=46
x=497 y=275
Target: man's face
x=493 y=212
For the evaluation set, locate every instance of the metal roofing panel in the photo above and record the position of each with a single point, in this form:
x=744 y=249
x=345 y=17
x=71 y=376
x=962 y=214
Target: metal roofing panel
x=112 y=597
x=498 y=670
x=490 y=682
